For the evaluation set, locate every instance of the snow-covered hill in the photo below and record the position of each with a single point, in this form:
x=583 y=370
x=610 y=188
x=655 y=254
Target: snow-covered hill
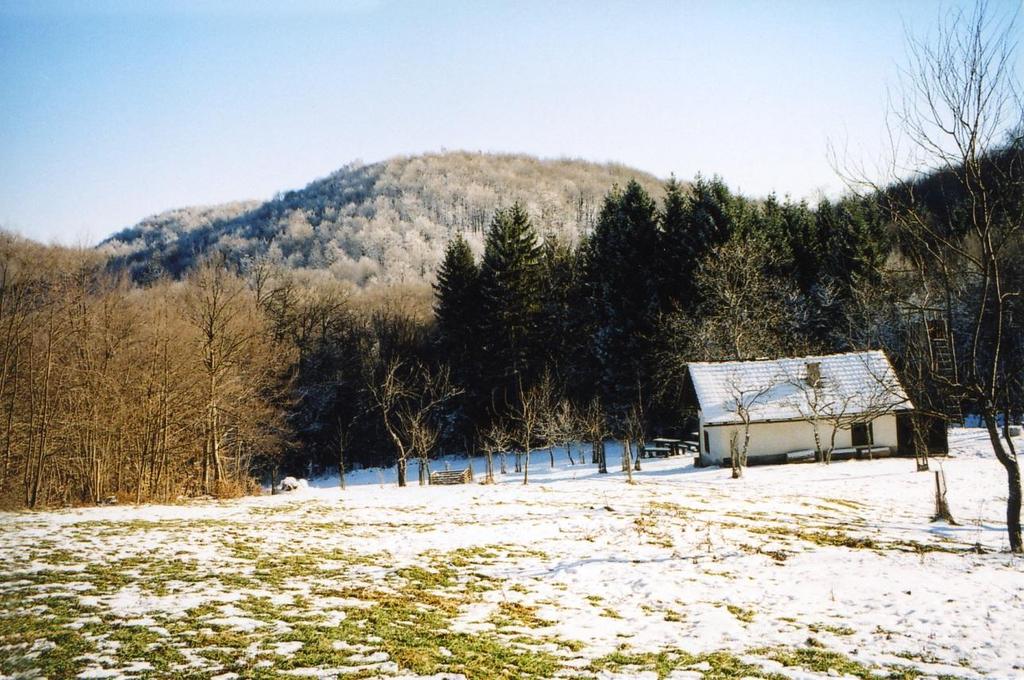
x=385 y=222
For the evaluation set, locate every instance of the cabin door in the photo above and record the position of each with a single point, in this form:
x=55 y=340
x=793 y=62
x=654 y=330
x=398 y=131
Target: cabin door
x=904 y=434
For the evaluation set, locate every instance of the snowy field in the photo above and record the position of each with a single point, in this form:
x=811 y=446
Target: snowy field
x=799 y=571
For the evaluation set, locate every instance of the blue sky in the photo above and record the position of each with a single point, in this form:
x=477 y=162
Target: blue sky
x=113 y=110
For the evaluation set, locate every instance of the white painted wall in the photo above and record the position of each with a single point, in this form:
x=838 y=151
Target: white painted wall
x=773 y=438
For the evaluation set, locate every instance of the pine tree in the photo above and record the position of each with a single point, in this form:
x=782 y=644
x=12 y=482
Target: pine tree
x=851 y=236
x=563 y=318
x=714 y=213
x=767 y=223
x=677 y=262
x=458 y=313
x=457 y=294
x=510 y=288
x=623 y=274
x=802 y=230
x=692 y=226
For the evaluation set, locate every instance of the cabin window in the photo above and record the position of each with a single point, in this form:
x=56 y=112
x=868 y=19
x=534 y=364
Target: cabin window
x=707 y=446
x=861 y=434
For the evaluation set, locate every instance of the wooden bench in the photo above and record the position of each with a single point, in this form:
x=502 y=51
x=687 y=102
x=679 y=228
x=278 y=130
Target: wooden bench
x=861 y=452
x=447 y=477
x=871 y=452
x=801 y=455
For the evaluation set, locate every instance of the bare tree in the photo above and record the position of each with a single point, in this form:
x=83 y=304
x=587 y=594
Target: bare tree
x=435 y=388
x=744 y=396
x=528 y=414
x=496 y=439
x=558 y=428
x=958 y=117
x=745 y=313
x=389 y=390
x=409 y=396
x=233 y=360
x=594 y=424
x=341 y=438
x=823 y=403
x=635 y=427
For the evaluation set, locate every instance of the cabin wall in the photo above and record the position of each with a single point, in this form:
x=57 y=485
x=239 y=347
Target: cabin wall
x=775 y=438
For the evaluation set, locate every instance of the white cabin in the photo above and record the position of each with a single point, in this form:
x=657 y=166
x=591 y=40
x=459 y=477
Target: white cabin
x=780 y=403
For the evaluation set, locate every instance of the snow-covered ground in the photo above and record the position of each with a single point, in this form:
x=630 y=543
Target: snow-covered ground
x=798 y=571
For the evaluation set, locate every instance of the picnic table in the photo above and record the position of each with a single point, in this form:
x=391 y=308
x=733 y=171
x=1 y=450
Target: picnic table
x=673 y=445
x=655 y=451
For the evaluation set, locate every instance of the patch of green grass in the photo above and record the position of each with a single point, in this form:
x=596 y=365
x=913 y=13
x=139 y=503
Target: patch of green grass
x=265 y=610
x=722 y=665
x=407 y=615
x=436 y=578
x=819 y=660
x=415 y=635
x=140 y=643
x=517 y=614
x=481 y=554
x=744 y=615
x=844 y=503
x=48 y=553
x=840 y=539
x=828 y=628
x=34 y=636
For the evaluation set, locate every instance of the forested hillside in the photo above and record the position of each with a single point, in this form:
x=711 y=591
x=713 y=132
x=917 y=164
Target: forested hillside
x=381 y=223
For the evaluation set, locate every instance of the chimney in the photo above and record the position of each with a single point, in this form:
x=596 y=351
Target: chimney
x=814 y=373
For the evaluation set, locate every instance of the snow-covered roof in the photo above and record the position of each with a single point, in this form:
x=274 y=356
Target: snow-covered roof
x=856 y=383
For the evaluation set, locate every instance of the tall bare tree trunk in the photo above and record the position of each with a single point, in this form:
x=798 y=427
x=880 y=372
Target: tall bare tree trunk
x=341 y=463
x=5 y=469
x=44 y=416
x=627 y=460
x=1007 y=456
x=489 y=476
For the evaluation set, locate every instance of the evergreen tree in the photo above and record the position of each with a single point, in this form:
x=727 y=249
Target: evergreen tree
x=510 y=289
x=458 y=312
x=563 y=312
x=852 y=239
x=802 y=230
x=692 y=226
x=767 y=223
x=457 y=294
x=714 y=212
x=623 y=275
x=678 y=261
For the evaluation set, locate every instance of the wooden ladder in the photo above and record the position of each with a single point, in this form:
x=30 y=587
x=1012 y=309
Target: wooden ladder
x=942 y=364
